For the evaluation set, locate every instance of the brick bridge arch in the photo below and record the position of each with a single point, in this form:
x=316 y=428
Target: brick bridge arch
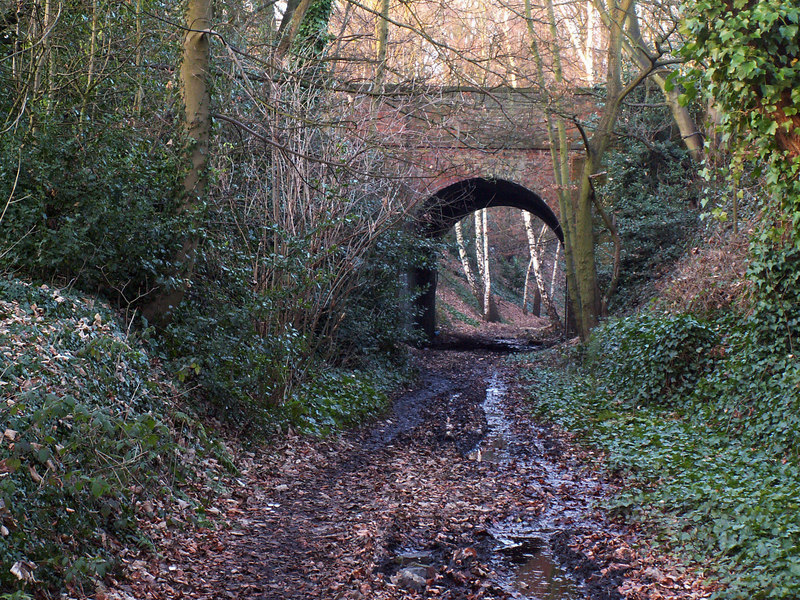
x=441 y=211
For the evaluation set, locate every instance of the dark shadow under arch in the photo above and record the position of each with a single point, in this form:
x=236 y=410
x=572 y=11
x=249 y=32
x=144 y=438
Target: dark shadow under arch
x=439 y=213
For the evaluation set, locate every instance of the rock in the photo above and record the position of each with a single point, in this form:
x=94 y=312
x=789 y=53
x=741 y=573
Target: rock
x=410 y=578
x=653 y=574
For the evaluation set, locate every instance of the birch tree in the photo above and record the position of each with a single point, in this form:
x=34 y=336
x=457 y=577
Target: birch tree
x=583 y=41
x=464 y=258
x=489 y=311
x=535 y=266
x=554 y=275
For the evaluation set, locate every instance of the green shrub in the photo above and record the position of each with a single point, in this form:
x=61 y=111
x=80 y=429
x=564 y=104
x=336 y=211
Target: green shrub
x=334 y=399
x=744 y=55
x=91 y=155
x=709 y=448
x=376 y=321
x=652 y=358
x=247 y=372
x=775 y=274
x=651 y=191
x=98 y=209
x=89 y=434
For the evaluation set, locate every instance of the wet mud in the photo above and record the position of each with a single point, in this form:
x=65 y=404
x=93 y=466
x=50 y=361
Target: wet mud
x=533 y=556
x=455 y=493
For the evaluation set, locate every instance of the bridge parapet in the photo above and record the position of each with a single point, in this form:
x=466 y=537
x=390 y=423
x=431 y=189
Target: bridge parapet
x=457 y=134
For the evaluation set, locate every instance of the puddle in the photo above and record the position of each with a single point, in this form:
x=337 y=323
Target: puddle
x=531 y=570
x=523 y=549
x=517 y=345
x=503 y=345
x=541 y=578
x=494 y=447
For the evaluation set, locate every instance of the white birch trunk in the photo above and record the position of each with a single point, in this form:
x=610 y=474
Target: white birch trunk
x=462 y=254
x=555 y=270
x=487 y=278
x=481 y=263
x=526 y=286
x=533 y=247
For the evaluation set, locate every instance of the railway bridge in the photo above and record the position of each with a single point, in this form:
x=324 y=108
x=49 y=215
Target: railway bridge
x=472 y=149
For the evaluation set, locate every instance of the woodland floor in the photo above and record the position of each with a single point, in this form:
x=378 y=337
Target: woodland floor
x=406 y=508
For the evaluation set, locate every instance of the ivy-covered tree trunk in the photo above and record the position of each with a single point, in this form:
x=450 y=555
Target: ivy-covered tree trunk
x=576 y=202
x=755 y=83
x=581 y=273
x=196 y=96
x=616 y=12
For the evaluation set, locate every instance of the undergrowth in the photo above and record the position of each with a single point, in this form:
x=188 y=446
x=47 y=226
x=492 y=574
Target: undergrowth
x=91 y=432
x=449 y=313
x=336 y=399
x=702 y=418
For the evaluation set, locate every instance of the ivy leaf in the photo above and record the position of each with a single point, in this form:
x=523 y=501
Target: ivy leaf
x=99 y=487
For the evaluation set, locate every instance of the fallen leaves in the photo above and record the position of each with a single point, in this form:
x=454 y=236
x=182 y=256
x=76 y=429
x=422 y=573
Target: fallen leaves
x=342 y=518
x=23 y=570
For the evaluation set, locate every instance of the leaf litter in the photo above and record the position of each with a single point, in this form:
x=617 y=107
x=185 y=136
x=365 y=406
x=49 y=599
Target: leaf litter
x=402 y=508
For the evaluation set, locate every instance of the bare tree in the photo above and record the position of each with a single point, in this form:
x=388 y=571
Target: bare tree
x=535 y=243
x=645 y=57
x=489 y=311
x=464 y=258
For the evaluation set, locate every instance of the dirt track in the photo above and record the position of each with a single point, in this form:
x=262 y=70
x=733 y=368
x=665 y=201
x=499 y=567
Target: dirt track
x=405 y=508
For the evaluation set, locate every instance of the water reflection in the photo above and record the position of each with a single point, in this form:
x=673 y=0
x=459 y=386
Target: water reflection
x=539 y=577
x=536 y=576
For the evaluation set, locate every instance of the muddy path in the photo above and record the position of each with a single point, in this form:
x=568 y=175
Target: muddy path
x=455 y=493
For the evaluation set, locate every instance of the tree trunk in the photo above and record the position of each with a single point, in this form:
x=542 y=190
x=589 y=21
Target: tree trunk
x=534 y=242
x=197 y=105
x=526 y=286
x=464 y=257
x=291 y=6
x=536 y=309
x=290 y=25
x=480 y=260
x=638 y=50
x=576 y=207
x=137 y=103
x=382 y=39
x=587 y=313
x=559 y=150
x=489 y=311
x=585 y=268
x=555 y=271
x=584 y=44
x=487 y=275
x=91 y=65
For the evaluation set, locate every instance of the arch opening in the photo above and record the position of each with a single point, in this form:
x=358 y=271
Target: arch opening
x=439 y=213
